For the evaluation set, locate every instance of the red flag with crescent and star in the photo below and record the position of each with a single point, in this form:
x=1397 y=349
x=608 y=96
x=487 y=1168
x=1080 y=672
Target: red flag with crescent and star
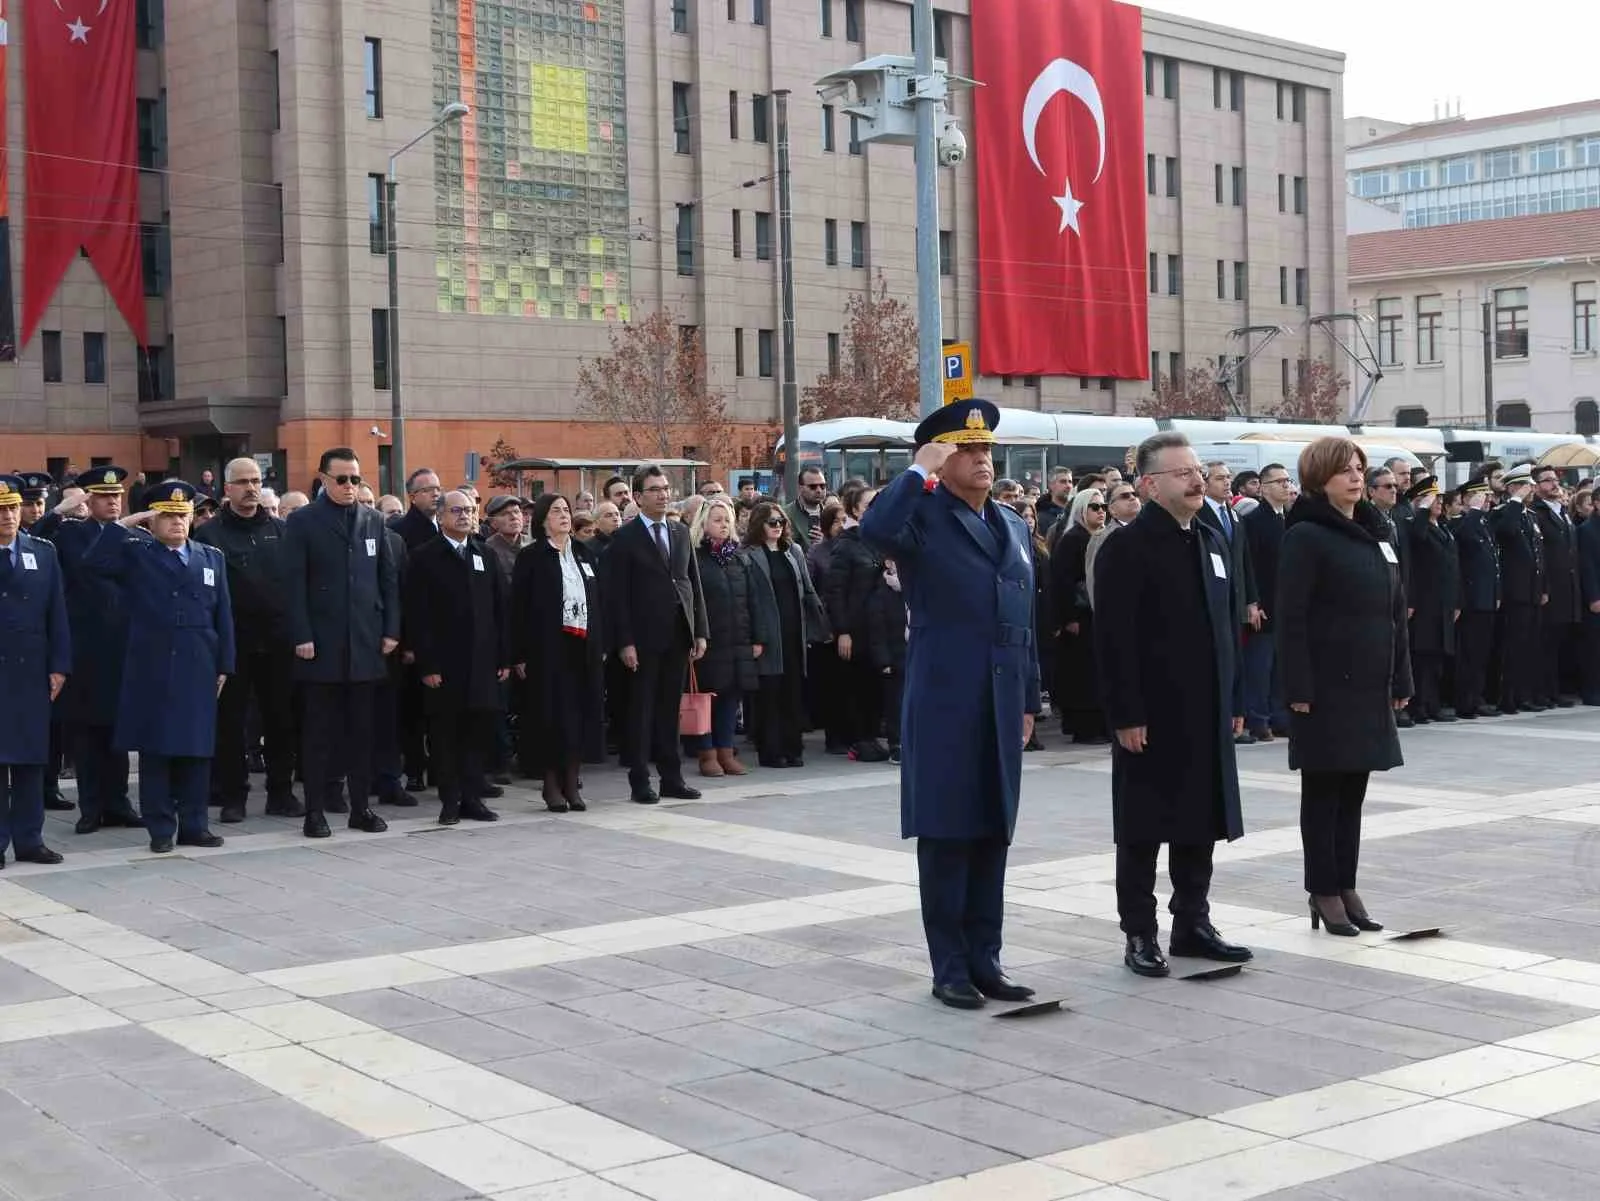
x=8 y=327
x=1058 y=146
x=83 y=153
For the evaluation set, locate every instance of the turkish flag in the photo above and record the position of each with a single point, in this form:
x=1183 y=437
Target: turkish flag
x=83 y=154
x=1058 y=145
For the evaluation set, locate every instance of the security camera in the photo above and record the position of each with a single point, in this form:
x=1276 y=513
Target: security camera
x=376 y=432
x=952 y=145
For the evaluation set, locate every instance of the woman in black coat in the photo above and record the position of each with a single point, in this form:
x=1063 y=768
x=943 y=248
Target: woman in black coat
x=854 y=572
x=1433 y=594
x=786 y=594
x=1075 y=693
x=739 y=635
x=1346 y=664
x=1044 y=621
x=556 y=647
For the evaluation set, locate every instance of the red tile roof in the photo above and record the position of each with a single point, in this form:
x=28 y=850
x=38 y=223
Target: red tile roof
x=1474 y=243
x=1455 y=125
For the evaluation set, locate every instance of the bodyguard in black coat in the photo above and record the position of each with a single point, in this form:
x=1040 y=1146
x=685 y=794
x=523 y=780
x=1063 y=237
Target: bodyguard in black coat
x=1559 y=616
x=455 y=625
x=341 y=589
x=1433 y=596
x=1167 y=636
x=1522 y=592
x=1479 y=557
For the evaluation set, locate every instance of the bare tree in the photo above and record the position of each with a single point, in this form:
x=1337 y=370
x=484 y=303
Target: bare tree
x=1316 y=395
x=1196 y=394
x=501 y=453
x=876 y=375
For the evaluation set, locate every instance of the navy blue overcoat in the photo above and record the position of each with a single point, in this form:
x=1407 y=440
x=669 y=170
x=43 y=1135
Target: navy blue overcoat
x=180 y=639
x=971 y=669
x=34 y=644
x=99 y=629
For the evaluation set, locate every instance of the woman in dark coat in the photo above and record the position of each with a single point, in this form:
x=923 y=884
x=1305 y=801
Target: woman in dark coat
x=854 y=572
x=1346 y=664
x=556 y=647
x=739 y=635
x=1075 y=692
x=1433 y=594
x=887 y=631
x=793 y=609
x=1044 y=619
x=824 y=672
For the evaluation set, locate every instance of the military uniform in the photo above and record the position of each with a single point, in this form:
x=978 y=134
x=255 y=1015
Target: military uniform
x=1479 y=555
x=1522 y=586
x=180 y=641
x=36 y=487
x=971 y=674
x=34 y=646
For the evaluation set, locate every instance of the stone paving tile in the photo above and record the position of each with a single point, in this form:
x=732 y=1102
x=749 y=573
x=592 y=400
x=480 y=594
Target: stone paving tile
x=373 y=1173
x=770 y=1099
x=193 y=1085
x=390 y=1008
x=1003 y=1127
x=165 y=1145
x=560 y=1025
x=567 y=1075
x=859 y=1082
x=274 y=1128
x=473 y=1040
x=912 y=1148
x=1387 y=1182
x=813 y=1169
x=656 y=1061
x=80 y=1101
x=742 y=1045
x=679 y=1118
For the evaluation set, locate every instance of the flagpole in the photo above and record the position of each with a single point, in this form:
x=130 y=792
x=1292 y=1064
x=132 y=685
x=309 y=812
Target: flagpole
x=930 y=323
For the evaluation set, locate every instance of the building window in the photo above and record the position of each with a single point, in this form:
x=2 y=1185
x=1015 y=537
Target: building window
x=1174 y=365
x=1222 y=280
x=1302 y=287
x=1283 y=89
x=1283 y=193
x=283 y=356
x=852 y=20
x=1174 y=275
x=764 y=237
x=1546 y=156
x=1283 y=364
x=1169 y=78
x=830 y=242
x=764 y=353
x=1216 y=89
x=1586 y=416
x=733 y=116
x=1297 y=103
x=145 y=27
x=153 y=254
x=377 y=215
x=1430 y=325
x=50 y=344
x=827 y=18
x=1155 y=278
x=154 y=374
x=94 y=358
x=372 y=65
x=1151 y=63
x=680 y=16
x=1238 y=187
x=1583 y=317
x=858 y=243
x=1283 y=285
x=1390 y=313
x=758 y=118
x=1514 y=414
x=686 y=239
x=1457 y=170
x=1414 y=177
x=680 y=118
x=758 y=12
x=1155 y=365
x=833 y=354
x=1241 y=281
x=1235 y=90
x=1150 y=174
x=1368 y=184
x=855 y=135
x=1216 y=173
x=947 y=252
x=277 y=189
x=738 y=234
x=1500 y=164
x=380 y=349
x=738 y=352
x=277 y=92
x=1172 y=176
x=827 y=128
x=1511 y=323
x=1299 y=194
x=149 y=143
x=1587 y=152
x=733 y=10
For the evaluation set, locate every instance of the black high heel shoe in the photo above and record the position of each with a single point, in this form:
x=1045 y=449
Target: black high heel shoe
x=1342 y=928
x=1357 y=912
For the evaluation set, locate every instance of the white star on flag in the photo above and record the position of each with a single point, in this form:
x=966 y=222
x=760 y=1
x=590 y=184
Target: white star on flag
x=79 y=31
x=1069 y=206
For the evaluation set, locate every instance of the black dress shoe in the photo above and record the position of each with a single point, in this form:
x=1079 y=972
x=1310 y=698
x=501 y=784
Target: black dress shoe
x=367 y=822
x=477 y=811
x=679 y=791
x=316 y=826
x=416 y=784
x=1446 y=715
x=125 y=818
x=160 y=846
x=450 y=813
x=1000 y=988
x=959 y=996
x=1201 y=941
x=576 y=804
x=58 y=803
x=86 y=825
x=772 y=761
x=231 y=814
x=400 y=798
x=1143 y=956
x=39 y=854
x=490 y=791
x=337 y=805
x=207 y=839
x=285 y=806
x=645 y=796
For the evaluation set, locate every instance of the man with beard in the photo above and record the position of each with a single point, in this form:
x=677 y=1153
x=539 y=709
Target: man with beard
x=1166 y=630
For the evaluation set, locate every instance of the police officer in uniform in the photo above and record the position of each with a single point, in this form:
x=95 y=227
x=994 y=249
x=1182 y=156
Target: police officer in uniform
x=1522 y=590
x=36 y=487
x=179 y=654
x=971 y=689
x=35 y=657
x=1480 y=599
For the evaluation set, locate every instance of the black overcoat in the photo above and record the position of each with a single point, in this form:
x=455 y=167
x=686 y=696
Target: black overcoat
x=1521 y=554
x=1480 y=562
x=736 y=621
x=455 y=624
x=1342 y=644
x=1433 y=587
x=1560 y=566
x=539 y=645
x=1166 y=645
x=341 y=592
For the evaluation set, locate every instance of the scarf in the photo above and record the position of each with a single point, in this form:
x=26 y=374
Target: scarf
x=724 y=552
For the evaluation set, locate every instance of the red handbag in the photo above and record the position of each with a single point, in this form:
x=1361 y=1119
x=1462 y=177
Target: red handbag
x=694 y=709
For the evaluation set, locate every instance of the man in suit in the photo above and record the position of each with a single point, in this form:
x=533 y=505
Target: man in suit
x=1479 y=556
x=1266 y=717
x=342 y=594
x=1522 y=592
x=455 y=613
x=1217 y=512
x=35 y=657
x=419 y=524
x=1562 y=609
x=179 y=654
x=1166 y=635
x=971 y=690
x=656 y=612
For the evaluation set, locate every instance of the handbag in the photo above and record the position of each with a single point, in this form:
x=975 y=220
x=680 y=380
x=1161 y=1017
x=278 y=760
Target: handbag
x=694 y=709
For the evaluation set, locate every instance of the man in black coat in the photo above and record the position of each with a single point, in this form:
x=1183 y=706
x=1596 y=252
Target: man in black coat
x=1265 y=714
x=1217 y=512
x=1589 y=582
x=656 y=616
x=1167 y=636
x=252 y=542
x=1522 y=593
x=343 y=606
x=455 y=615
x=1559 y=615
x=1479 y=555
x=417 y=525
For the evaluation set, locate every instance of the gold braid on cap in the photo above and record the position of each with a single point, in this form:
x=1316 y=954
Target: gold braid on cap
x=976 y=430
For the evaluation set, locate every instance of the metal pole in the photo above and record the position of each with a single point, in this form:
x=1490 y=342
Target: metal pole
x=1488 y=363
x=930 y=325
x=791 y=386
x=397 y=412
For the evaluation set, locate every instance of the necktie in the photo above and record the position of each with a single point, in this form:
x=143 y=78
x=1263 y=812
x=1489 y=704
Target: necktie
x=1227 y=521
x=660 y=528
x=462 y=551
x=7 y=562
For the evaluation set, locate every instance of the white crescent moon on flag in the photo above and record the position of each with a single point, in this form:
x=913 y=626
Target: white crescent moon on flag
x=1062 y=75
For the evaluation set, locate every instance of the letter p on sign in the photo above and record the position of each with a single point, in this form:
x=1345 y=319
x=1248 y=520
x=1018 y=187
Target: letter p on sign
x=957 y=372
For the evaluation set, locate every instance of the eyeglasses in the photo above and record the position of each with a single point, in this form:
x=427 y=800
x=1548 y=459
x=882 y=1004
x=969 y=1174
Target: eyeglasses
x=1183 y=473
x=253 y=482
x=815 y=487
x=460 y=510
x=1095 y=506
x=346 y=481
x=1375 y=487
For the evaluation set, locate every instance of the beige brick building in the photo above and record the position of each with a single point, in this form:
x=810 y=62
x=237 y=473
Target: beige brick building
x=618 y=158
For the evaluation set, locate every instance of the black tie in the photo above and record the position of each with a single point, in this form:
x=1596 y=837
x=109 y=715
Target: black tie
x=462 y=551
x=661 y=541
x=7 y=562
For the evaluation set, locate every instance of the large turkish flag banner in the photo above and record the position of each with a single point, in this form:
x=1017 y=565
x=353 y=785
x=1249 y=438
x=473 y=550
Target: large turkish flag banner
x=83 y=154
x=1058 y=145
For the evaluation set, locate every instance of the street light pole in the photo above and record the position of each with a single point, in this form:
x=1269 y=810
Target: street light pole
x=930 y=321
x=397 y=414
x=791 y=387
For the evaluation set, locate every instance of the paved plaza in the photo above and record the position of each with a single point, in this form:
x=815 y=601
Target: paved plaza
x=727 y=1000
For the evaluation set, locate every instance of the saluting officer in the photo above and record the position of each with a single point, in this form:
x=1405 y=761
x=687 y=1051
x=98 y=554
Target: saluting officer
x=1480 y=599
x=1522 y=591
x=35 y=657
x=971 y=690
x=179 y=654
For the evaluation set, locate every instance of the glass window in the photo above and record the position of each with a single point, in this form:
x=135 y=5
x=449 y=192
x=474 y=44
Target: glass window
x=1283 y=109
x=1586 y=416
x=1414 y=176
x=1216 y=88
x=764 y=353
x=858 y=243
x=1299 y=194
x=1511 y=323
x=827 y=128
x=1169 y=78
x=738 y=234
x=764 y=237
x=1175 y=365
x=1238 y=187
x=1499 y=164
x=1514 y=414
x=947 y=252
x=1390 y=315
x=1174 y=275
x=1283 y=192
x=1283 y=285
x=1155 y=278
x=94 y=358
x=1587 y=152
x=733 y=116
x=277 y=97
x=377 y=215
x=833 y=354
x=1172 y=176
x=380 y=349
x=758 y=12
x=830 y=242
x=155 y=373
x=827 y=18
x=738 y=351
x=50 y=344
x=1460 y=169
x=1297 y=97
x=1216 y=173
x=680 y=16
x=854 y=146
x=146 y=24
x=1150 y=174
x=153 y=258
x=1302 y=287
x=1430 y=329
x=148 y=146
x=1235 y=90
x=1150 y=66
x=372 y=65
x=1371 y=183
x=685 y=239
x=852 y=20
x=1547 y=156
x=680 y=118
x=1241 y=281
x=1583 y=318
x=1222 y=280
x=277 y=189
x=758 y=118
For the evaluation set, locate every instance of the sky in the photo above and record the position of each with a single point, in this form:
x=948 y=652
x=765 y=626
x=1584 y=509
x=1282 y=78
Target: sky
x=1403 y=56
